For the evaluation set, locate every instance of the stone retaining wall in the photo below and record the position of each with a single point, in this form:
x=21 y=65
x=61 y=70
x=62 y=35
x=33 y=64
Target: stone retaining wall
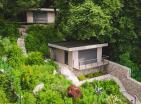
x=123 y=73
x=87 y=71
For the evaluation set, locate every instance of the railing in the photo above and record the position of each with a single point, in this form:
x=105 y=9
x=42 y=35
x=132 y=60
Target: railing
x=85 y=64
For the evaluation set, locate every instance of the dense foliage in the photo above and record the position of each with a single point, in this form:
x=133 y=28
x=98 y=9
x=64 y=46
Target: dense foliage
x=21 y=74
x=10 y=52
x=40 y=36
x=90 y=19
x=113 y=21
x=35 y=58
x=109 y=90
x=9 y=29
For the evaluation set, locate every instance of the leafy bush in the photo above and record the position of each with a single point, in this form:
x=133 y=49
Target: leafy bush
x=125 y=60
x=27 y=77
x=8 y=29
x=50 y=96
x=39 y=36
x=51 y=62
x=28 y=98
x=35 y=58
x=15 y=56
x=112 y=99
x=3 y=98
x=74 y=92
x=4 y=66
x=96 y=74
x=10 y=52
x=5 y=45
x=91 y=75
x=90 y=95
x=82 y=77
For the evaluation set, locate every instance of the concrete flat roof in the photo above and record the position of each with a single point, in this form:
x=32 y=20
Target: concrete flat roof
x=43 y=9
x=77 y=45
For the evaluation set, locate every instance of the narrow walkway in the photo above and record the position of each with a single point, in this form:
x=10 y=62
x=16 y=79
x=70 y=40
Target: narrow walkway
x=21 y=44
x=64 y=69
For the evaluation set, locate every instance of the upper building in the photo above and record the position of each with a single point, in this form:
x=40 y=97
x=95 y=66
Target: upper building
x=41 y=15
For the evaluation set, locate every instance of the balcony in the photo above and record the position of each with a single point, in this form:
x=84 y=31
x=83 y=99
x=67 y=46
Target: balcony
x=93 y=63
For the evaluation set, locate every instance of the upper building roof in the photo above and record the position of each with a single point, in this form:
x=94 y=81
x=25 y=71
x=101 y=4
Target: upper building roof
x=43 y=9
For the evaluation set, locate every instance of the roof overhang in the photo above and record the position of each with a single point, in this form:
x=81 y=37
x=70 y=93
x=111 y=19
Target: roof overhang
x=78 y=48
x=43 y=9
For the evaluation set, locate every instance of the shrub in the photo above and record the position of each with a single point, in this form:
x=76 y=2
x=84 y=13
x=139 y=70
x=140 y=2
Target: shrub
x=3 y=98
x=15 y=56
x=74 y=92
x=11 y=53
x=39 y=36
x=82 y=77
x=5 y=66
x=96 y=74
x=112 y=99
x=51 y=62
x=50 y=96
x=5 y=45
x=135 y=69
x=9 y=29
x=91 y=75
x=90 y=96
x=28 y=98
x=35 y=58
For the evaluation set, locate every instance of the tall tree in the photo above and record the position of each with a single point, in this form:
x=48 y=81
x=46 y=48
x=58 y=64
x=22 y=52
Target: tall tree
x=10 y=8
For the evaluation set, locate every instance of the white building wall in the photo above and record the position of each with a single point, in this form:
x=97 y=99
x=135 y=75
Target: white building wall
x=29 y=17
x=59 y=55
x=51 y=17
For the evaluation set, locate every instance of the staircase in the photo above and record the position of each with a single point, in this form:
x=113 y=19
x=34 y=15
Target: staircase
x=21 y=44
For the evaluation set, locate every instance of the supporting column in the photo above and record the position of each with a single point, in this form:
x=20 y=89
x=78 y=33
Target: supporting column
x=29 y=15
x=51 y=53
x=75 y=59
x=70 y=59
x=99 y=54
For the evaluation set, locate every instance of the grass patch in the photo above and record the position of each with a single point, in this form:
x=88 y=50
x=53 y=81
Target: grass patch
x=91 y=75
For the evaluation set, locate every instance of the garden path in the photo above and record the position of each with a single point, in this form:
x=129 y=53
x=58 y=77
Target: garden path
x=21 y=44
x=64 y=69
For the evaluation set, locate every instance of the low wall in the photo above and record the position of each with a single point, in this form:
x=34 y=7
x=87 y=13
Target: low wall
x=123 y=73
x=86 y=71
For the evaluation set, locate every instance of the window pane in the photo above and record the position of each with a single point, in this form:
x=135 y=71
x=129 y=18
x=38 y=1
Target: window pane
x=40 y=17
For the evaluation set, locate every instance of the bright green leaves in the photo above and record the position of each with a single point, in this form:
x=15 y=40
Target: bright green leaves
x=88 y=20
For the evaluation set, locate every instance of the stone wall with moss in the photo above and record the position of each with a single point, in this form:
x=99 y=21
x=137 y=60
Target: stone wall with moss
x=123 y=73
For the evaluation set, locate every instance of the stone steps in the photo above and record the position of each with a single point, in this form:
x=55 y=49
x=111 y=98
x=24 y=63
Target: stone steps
x=21 y=44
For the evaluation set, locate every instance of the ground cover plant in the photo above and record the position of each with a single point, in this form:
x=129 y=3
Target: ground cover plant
x=91 y=75
x=101 y=92
x=22 y=80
